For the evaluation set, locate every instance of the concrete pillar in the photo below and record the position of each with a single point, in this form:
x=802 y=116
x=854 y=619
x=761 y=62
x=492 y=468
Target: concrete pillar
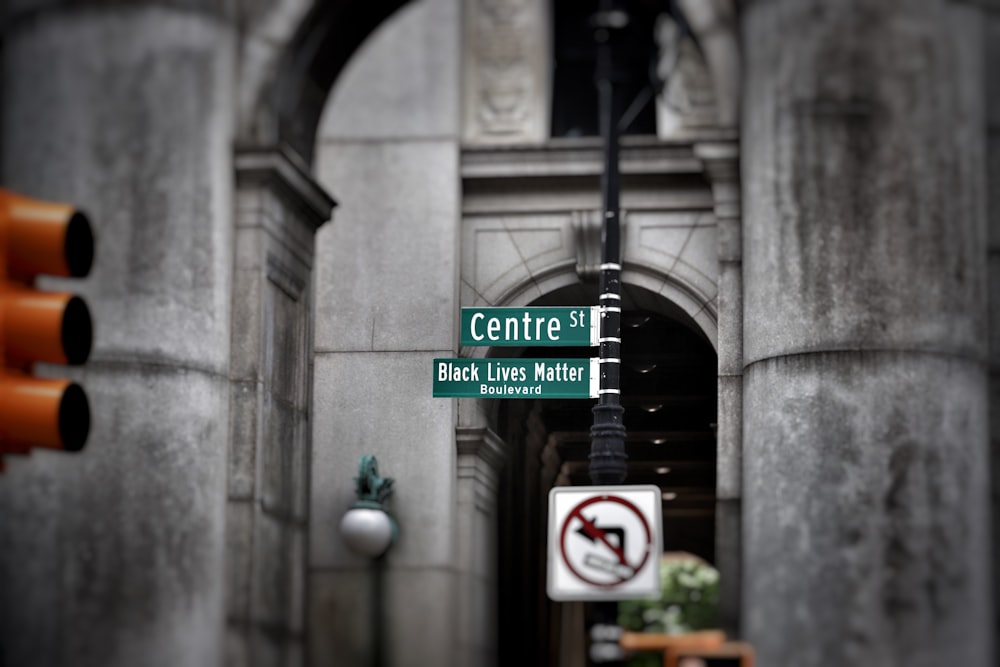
x=115 y=556
x=279 y=208
x=865 y=413
x=481 y=455
x=721 y=160
x=991 y=15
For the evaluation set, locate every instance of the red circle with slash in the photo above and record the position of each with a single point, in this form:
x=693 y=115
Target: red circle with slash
x=594 y=533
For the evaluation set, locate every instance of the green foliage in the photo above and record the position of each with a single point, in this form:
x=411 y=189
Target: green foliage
x=689 y=601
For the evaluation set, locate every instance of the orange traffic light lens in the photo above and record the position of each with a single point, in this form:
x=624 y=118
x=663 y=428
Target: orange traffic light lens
x=77 y=331
x=74 y=418
x=79 y=245
x=36 y=412
x=44 y=237
x=42 y=326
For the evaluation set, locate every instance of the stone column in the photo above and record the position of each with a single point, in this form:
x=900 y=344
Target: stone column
x=721 y=160
x=481 y=454
x=279 y=208
x=992 y=49
x=115 y=556
x=865 y=416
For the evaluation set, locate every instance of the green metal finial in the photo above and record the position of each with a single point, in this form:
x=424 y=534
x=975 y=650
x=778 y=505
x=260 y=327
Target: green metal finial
x=371 y=489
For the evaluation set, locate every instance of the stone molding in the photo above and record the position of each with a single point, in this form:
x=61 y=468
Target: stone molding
x=721 y=159
x=721 y=163
x=280 y=168
x=481 y=455
x=583 y=156
x=482 y=443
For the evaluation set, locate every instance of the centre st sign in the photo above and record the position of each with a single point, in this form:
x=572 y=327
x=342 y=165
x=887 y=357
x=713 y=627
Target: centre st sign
x=535 y=327
x=516 y=378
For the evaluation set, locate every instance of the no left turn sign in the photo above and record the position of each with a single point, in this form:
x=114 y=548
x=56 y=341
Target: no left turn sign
x=604 y=542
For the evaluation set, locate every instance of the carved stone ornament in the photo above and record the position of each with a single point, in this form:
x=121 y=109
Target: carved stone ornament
x=505 y=72
x=687 y=99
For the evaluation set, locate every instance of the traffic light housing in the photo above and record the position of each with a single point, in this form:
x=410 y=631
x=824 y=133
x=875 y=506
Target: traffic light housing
x=40 y=237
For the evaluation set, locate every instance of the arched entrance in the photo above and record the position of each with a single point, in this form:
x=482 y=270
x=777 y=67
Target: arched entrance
x=428 y=223
x=669 y=391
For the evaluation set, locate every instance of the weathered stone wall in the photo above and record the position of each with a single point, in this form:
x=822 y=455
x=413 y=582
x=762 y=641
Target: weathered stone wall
x=865 y=420
x=386 y=306
x=115 y=556
x=991 y=14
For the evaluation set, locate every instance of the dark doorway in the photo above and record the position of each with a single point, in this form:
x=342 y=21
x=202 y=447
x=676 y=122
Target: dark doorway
x=669 y=390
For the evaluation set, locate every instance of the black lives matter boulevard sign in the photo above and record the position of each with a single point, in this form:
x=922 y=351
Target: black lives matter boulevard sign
x=522 y=378
x=515 y=378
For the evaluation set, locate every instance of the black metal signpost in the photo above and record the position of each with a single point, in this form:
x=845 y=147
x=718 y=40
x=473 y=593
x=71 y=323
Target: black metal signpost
x=607 y=445
x=607 y=435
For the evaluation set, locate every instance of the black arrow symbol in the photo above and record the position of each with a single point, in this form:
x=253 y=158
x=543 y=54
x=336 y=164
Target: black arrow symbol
x=593 y=532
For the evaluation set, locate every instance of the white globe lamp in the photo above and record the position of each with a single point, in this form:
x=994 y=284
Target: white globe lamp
x=367 y=528
x=367 y=531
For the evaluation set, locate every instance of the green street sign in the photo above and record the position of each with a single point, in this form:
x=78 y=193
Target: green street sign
x=516 y=378
x=536 y=326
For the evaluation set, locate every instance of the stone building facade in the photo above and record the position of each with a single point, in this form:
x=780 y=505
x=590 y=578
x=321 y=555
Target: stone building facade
x=293 y=200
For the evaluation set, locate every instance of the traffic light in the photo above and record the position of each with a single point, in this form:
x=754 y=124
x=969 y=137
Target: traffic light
x=40 y=237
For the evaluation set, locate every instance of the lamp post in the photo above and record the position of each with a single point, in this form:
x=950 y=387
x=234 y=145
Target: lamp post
x=607 y=434
x=369 y=530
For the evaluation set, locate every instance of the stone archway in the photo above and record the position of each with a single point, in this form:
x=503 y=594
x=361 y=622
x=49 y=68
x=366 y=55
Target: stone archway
x=291 y=55
x=669 y=392
x=370 y=305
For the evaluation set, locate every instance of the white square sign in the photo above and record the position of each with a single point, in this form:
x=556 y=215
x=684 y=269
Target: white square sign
x=604 y=542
